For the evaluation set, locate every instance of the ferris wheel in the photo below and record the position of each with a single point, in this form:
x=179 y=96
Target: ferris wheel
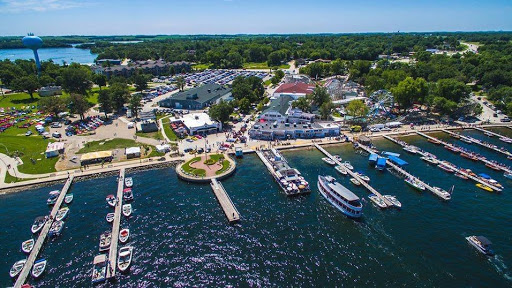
x=382 y=103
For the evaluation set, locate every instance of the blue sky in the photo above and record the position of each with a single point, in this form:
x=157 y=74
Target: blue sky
x=122 y=17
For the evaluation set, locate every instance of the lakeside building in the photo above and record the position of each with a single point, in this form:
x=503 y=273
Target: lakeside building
x=283 y=131
x=197 y=98
x=154 y=67
x=197 y=123
x=280 y=110
x=132 y=152
x=109 y=62
x=295 y=90
x=49 y=91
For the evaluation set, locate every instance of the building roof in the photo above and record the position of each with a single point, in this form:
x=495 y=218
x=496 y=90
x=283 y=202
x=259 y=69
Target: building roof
x=132 y=150
x=202 y=94
x=55 y=146
x=295 y=88
x=194 y=120
x=96 y=155
x=147 y=115
x=280 y=104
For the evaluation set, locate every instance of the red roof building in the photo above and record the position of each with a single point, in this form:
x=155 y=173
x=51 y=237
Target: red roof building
x=295 y=90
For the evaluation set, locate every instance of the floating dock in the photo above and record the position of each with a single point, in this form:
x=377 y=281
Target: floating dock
x=492 y=133
x=496 y=149
x=25 y=272
x=112 y=255
x=225 y=201
x=457 y=170
x=354 y=175
x=485 y=161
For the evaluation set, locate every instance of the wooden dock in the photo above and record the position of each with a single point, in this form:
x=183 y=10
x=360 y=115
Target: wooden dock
x=485 y=161
x=457 y=170
x=225 y=201
x=112 y=255
x=504 y=152
x=22 y=278
x=492 y=133
x=354 y=175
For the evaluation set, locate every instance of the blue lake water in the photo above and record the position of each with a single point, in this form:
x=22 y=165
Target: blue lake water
x=58 y=55
x=182 y=237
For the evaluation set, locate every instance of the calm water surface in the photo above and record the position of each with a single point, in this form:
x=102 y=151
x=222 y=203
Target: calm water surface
x=58 y=55
x=182 y=238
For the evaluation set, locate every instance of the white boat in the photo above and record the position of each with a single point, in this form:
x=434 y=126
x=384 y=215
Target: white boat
x=52 y=199
x=410 y=149
x=105 y=240
x=125 y=258
x=54 y=192
x=127 y=210
x=506 y=140
x=27 y=246
x=363 y=177
x=355 y=181
x=393 y=200
x=56 y=228
x=341 y=169
x=99 y=269
x=38 y=224
x=329 y=161
x=62 y=213
x=338 y=157
x=347 y=164
x=340 y=197
x=430 y=160
x=508 y=175
x=124 y=235
x=111 y=200
x=415 y=184
x=38 y=268
x=110 y=217
x=69 y=198
x=16 y=268
x=128 y=182
x=467 y=140
x=377 y=201
x=443 y=193
x=488 y=134
x=481 y=243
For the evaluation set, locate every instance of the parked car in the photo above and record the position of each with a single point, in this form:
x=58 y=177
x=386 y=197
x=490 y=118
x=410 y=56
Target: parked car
x=56 y=125
x=506 y=119
x=28 y=133
x=56 y=135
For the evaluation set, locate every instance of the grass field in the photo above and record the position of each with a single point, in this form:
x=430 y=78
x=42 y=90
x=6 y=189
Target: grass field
x=155 y=135
x=197 y=172
x=262 y=65
x=18 y=100
x=29 y=148
x=168 y=131
x=201 y=66
x=116 y=143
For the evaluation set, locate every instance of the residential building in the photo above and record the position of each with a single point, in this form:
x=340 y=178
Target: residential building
x=196 y=98
x=154 y=67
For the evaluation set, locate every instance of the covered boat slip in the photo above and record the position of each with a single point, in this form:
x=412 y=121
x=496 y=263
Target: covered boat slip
x=397 y=161
x=373 y=158
x=381 y=163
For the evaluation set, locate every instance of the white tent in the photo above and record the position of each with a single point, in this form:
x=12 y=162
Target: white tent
x=163 y=148
x=132 y=152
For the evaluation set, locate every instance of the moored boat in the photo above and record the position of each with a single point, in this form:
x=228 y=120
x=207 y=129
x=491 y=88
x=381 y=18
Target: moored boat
x=338 y=158
x=507 y=175
x=62 y=213
x=38 y=224
x=482 y=244
x=52 y=199
x=363 y=177
x=434 y=141
x=506 y=140
x=443 y=193
x=339 y=196
x=56 y=228
x=124 y=235
x=484 y=187
x=355 y=181
x=125 y=258
x=348 y=165
x=415 y=184
x=461 y=176
x=488 y=134
x=446 y=168
x=128 y=182
x=39 y=267
x=469 y=156
x=27 y=246
x=410 y=149
x=54 y=192
x=127 y=210
x=452 y=148
x=430 y=160
x=69 y=198
x=393 y=200
x=110 y=217
x=465 y=139
x=16 y=268
x=99 y=269
x=127 y=194
x=328 y=161
x=105 y=240
x=341 y=170
x=111 y=200
x=377 y=201
x=493 y=166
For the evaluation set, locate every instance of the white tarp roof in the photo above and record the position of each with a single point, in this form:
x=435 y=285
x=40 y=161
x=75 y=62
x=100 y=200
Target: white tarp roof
x=194 y=120
x=133 y=150
x=162 y=148
x=55 y=146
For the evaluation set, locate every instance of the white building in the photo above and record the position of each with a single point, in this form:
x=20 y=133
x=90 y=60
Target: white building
x=198 y=123
x=133 y=152
x=54 y=149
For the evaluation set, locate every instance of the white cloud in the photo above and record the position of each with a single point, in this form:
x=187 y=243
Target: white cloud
x=16 y=6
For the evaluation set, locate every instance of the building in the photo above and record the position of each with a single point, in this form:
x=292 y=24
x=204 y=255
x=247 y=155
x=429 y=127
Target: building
x=132 y=152
x=154 y=67
x=109 y=62
x=54 y=149
x=280 y=111
x=296 y=90
x=148 y=122
x=96 y=157
x=50 y=91
x=197 y=123
x=284 y=131
x=196 y=98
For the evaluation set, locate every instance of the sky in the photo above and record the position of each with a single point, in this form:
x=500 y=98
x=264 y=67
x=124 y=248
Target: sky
x=131 y=17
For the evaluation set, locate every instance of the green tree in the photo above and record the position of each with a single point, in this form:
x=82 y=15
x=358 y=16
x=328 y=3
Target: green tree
x=410 y=90
x=135 y=104
x=279 y=74
x=452 y=89
x=444 y=106
x=100 y=80
x=303 y=104
x=245 y=105
x=119 y=93
x=357 y=108
x=337 y=67
x=180 y=82
x=325 y=110
x=274 y=80
x=320 y=96
x=221 y=111
x=105 y=102
x=141 y=81
x=27 y=83
x=78 y=105
x=52 y=104
x=76 y=79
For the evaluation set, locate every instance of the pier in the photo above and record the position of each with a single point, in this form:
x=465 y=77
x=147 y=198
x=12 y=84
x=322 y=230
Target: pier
x=485 y=161
x=504 y=152
x=112 y=255
x=492 y=133
x=225 y=201
x=457 y=170
x=25 y=272
x=354 y=175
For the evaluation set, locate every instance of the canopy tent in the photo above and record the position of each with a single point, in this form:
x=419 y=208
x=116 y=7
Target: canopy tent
x=397 y=161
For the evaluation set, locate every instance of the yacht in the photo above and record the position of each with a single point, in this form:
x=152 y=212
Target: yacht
x=341 y=169
x=355 y=181
x=508 y=175
x=128 y=182
x=39 y=267
x=56 y=228
x=52 y=199
x=410 y=149
x=69 y=198
x=363 y=177
x=105 y=240
x=443 y=193
x=446 y=168
x=62 y=213
x=99 y=270
x=348 y=165
x=125 y=258
x=329 y=161
x=465 y=139
x=393 y=200
x=16 y=268
x=482 y=244
x=415 y=184
x=339 y=196
x=379 y=202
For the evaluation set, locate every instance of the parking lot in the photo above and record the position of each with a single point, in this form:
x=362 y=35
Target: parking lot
x=221 y=77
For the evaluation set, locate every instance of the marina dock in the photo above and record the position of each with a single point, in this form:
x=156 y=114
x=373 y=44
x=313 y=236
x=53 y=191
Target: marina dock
x=492 y=133
x=354 y=175
x=112 y=255
x=504 y=152
x=225 y=201
x=457 y=170
x=22 y=278
x=485 y=161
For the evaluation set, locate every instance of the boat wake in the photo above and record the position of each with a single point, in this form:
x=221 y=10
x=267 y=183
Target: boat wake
x=500 y=266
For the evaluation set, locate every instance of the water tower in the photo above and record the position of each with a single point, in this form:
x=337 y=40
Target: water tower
x=33 y=42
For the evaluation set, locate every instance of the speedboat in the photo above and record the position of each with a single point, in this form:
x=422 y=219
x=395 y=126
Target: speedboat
x=16 y=268
x=329 y=161
x=127 y=194
x=110 y=217
x=62 y=213
x=111 y=200
x=415 y=184
x=355 y=181
x=99 y=269
x=125 y=258
x=338 y=157
x=452 y=148
x=465 y=139
x=128 y=182
x=363 y=177
x=377 y=201
x=347 y=164
x=69 y=198
x=340 y=197
x=488 y=134
x=430 y=160
x=393 y=200
x=410 y=149
x=461 y=176
x=124 y=235
x=484 y=187
x=508 y=175
x=435 y=141
x=54 y=192
x=506 y=140
x=38 y=224
x=56 y=228
x=27 y=246
x=482 y=244
x=493 y=166
x=38 y=268
x=443 y=193
x=52 y=199
x=127 y=210
x=105 y=240
x=340 y=169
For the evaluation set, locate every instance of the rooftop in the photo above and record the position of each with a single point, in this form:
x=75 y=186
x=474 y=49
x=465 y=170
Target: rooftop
x=280 y=104
x=295 y=88
x=202 y=94
x=195 y=120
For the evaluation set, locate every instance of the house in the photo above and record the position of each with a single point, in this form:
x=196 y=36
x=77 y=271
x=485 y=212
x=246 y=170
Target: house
x=280 y=111
x=54 y=149
x=196 y=98
x=197 y=123
x=296 y=90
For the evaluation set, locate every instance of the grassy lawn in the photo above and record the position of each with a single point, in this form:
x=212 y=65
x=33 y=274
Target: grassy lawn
x=262 y=65
x=29 y=148
x=155 y=135
x=168 y=131
x=18 y=100
x=267 y=82
x=201 y=66
x=116 y=143
x=190 y=170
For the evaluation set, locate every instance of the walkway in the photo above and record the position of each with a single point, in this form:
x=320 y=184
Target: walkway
x=481 y=143
x=492 y=133
x=112 y=255
x=225 y=201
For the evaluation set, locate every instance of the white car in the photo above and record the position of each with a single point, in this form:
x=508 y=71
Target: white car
x=28 y=133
